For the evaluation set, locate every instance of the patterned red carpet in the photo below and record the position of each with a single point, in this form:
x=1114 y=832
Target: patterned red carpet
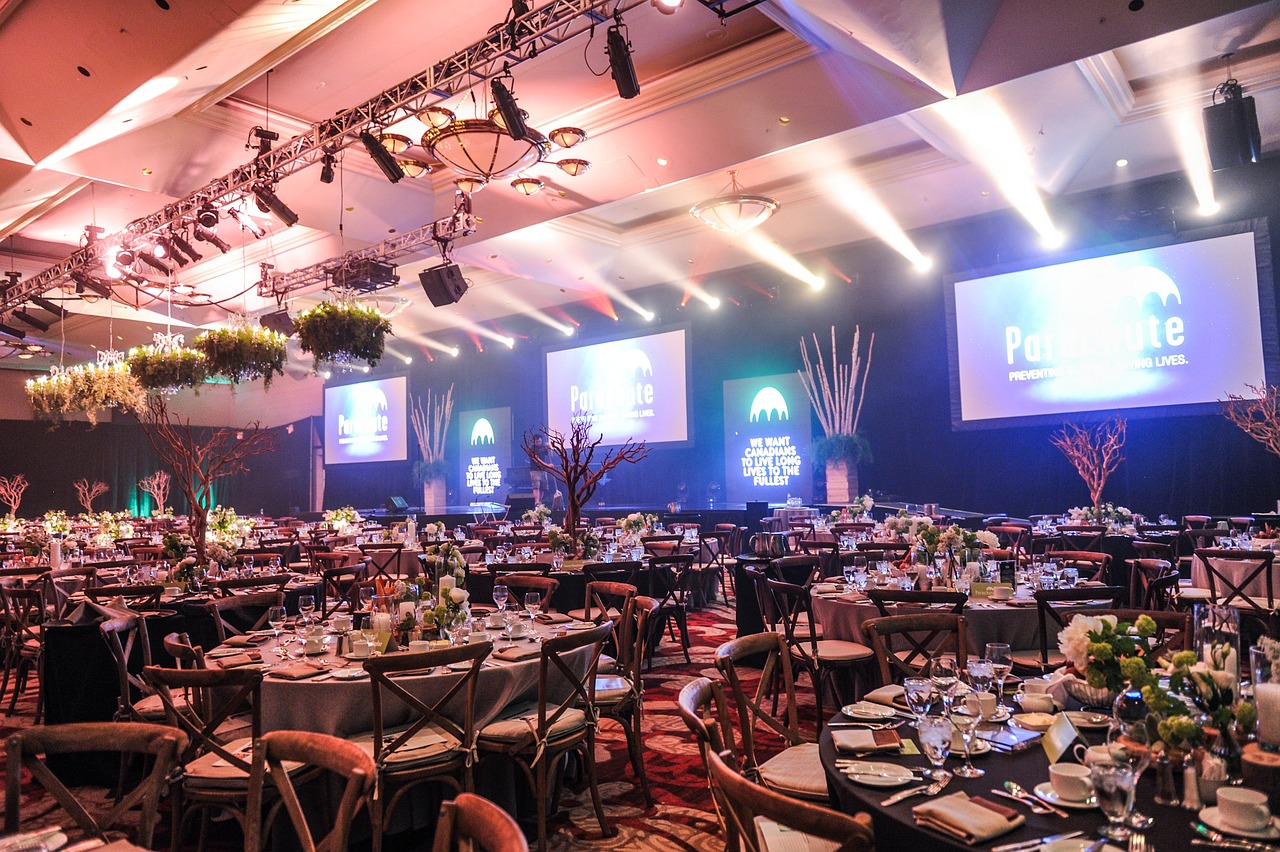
x=682 y=818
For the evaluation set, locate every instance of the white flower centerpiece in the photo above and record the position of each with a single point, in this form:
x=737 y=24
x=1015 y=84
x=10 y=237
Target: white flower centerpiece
x=539 y=515
x=343 y=518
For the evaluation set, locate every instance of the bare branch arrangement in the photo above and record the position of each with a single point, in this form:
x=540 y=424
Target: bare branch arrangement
x=89 y=492
x=199 y=459
x=1258 y=417
x=12 y=489
x=1094 y=452
x=837 y=393
x=574 y=463
x=431 y=425
x=157 y=485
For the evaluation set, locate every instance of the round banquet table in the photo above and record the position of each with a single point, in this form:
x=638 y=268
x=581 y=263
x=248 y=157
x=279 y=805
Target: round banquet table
x=985 y=621
x=895 y=829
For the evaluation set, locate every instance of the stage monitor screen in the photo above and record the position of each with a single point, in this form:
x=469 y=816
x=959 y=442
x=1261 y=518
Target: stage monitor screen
x=1145 y=330
x=366 y=422
x=632 y=388
x=766 y=439
x=485 y=438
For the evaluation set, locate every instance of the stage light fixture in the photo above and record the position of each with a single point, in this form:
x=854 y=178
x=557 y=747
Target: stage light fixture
x=33 y=321
x=619 y=50
x=246 y=223
x=326 y=167
x=384 y=158
x=51 y=307
x=158 y=265
x=268 y=201
x=12 y=332
x=512 y=115
x=207 y=236
x=112 y=271
x=181 y=244
x=84 y=282
x=160 y=248
x=125 y=257
x=278 y=321
x=1231 y=128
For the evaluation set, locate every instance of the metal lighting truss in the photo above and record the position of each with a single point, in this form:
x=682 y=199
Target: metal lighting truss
x=506 y=46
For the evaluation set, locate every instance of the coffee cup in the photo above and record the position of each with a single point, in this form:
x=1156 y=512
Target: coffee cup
x=1035 y=684
x=1071 y=781
x=1000 y=593
x=494 y=620
x=417 y=646
x=1243 y=808
x=360 y=648
x=477 y=637
x=342 y=623
x=1037 y=702
x=983 y=703
x=519 y=629
x=313 y=645
x=1092 y=755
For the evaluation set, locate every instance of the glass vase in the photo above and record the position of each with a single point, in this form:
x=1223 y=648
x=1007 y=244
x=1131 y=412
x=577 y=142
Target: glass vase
x=1217 y=639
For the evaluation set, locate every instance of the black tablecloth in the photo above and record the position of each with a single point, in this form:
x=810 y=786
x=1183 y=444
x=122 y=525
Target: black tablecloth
x=896 y=830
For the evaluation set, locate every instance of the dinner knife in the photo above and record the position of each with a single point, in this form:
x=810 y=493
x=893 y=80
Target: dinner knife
x=1023 y=845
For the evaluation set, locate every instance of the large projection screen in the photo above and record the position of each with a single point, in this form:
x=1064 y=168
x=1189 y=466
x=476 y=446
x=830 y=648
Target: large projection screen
x=1165 y=329
x=635 y=388
x=366 y=422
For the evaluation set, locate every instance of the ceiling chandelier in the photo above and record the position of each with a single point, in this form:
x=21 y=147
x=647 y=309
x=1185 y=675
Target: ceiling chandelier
x=734 y=211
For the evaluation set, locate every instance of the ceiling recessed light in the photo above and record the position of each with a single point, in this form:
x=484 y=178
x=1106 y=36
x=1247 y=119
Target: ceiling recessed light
x=84 y=72
x=784 y=119
x=1121 y=163
x=662 y=161
x=146 y=171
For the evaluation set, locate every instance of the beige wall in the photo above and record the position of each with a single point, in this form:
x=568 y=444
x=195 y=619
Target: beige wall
x=289 y=399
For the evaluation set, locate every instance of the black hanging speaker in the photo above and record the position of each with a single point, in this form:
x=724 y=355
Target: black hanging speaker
x=1231 y=131
x=443 y=285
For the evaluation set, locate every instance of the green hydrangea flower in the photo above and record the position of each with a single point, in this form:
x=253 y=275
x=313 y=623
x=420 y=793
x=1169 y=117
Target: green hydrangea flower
x=1100 y=651
x=1145 y=625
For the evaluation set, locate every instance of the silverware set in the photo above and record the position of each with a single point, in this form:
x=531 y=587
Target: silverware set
x=927 y=790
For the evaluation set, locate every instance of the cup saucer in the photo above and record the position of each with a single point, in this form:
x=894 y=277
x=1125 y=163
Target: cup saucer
x=1044 y=792
x=1212 y=817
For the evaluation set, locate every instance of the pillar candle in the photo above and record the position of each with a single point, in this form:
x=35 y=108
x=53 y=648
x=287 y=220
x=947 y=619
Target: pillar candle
x=1266 y=697
x=447 y=583
x=406 y=609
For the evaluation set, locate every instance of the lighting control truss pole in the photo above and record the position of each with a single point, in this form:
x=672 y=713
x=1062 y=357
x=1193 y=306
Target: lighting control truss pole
x=506 y=47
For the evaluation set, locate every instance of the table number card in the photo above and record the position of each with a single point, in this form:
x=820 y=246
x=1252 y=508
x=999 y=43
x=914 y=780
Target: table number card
x=1059 y=738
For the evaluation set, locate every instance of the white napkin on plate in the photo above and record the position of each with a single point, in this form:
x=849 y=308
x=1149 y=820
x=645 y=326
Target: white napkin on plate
x=973 y=820
x=860 y=740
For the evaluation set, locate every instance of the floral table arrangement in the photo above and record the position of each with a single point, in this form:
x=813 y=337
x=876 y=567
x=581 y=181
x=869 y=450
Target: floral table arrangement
x=1117 y=519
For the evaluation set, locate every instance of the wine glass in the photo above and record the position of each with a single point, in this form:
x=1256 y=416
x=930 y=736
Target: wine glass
x=1129 y=740
x=981 y=674
x=248 y=566
x=276 y=617
x=849 y=573
x=1113 y=785
x=509 y=621
x=967 y=724
x=306 y=606
x=942 y=671
x=934 y=733
x=532 y=603
x=500 y=597
x=1001 y=665
x=197 y=578
x=919 y=695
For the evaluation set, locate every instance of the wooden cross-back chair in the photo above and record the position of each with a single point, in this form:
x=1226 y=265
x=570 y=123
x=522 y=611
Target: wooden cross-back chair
x=1050 y=620
x=920 y=638
x=23 y=642
x=144 y=598
x=883 y=599
x=263 y=583
x=1080 y=537
x=1173 y=629
x=1142 y=573
x=383 y=560
x=702 y=706
x=1229 y=574
x=470 y=822
x=1014 y=538
x=161 y=743
x=1089 y=564
x=335 y=585
x=241 y=614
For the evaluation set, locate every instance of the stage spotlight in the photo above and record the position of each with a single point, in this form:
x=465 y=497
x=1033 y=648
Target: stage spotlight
x=326 y=167
x=160 y=248
x=125 y=257
x=268 y=201
x=158 y=265
x=247 y=223
x=512 y=117
x=207 y=216
x=205 y=235
x=84 y=282
x=667 y=7
x=1231 y=128
x=619 y=50
x=384 y=158
x=185 y=247
x=51 y=307
x=12 y=332
x=33 y=321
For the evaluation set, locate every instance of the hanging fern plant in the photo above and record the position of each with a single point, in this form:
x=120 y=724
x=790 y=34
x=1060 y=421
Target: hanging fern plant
x=165 y=368
x=84 y=389
x=341 y=332
x=243 y=354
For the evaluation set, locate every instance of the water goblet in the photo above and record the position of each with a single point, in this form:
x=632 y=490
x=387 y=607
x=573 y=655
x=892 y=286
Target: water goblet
x=306 y=606
x=276 y=616
x=1001 y=665
x=967 y=724
x=509 y=621
x=1130 y=742
x=248 y=566
x=849 y=573
x=1113 y=785
x=919 y=695
x=934 y=733
x=942 y=671
x=532 y=603
x=981 y=673
x=500 y=596
x=460 y=630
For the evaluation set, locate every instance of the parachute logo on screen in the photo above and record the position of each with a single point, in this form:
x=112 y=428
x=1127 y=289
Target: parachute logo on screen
x=482 y=432
x=365 y=421
x=635 y=361
x=1145 y=281
x=620 y=391
x=769 y=401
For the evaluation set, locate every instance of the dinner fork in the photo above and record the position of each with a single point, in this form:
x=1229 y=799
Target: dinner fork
x=928 y=790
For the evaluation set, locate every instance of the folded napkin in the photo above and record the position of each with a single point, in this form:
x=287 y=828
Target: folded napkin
x=246 y=641
x=240 y=660
x=518 y=652
x=825 y=589
x=852 y=597
x=298 y=672
x=552 y=618
x=862 y=740
x=973 y=820
x=892 y=695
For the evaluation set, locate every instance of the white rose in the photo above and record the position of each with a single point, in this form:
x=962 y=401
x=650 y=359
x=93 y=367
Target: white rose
x=458 y=595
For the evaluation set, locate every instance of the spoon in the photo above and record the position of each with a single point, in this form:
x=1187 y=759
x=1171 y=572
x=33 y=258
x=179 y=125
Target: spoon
x=1021 y=792
x=1034 y=807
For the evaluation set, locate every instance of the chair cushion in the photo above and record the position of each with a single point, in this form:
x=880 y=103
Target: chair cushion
x=797 y=772
x=431 y=744
x=520 y=722
x=611 y=689
x=151 y=708
x=1193 y=593
x=210 y=771
x=580 y=614
x=842 y=651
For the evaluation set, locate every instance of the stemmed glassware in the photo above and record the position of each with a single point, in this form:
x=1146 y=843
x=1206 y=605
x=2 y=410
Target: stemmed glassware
x=500 y=597
x=509 y=621
x=532 y=603
x=1129 y=741
x=1001 y=665
x=306 y=606
x=1113 y=785
x=919 y=695
x=967 y=724
x=276 y=616
x=942 y=671
x=934 y=733
x=981 y=675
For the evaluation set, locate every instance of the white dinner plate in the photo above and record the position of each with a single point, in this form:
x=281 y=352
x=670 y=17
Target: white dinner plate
x=867 y=710
x=459 y=666
x=579 y=625
x=1075 y=844
x=1088 y=721
x=356 y=657
x=1044 y=792
x=1032 y=721
x=348 y=674
x=873 y=774
x=1213 y=818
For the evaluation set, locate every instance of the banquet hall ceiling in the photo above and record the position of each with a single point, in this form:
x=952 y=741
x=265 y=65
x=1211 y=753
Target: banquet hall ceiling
x=839 y=109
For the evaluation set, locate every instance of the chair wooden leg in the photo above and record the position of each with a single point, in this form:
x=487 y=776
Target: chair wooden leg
x=682 y=622
x=375 y=815
x=540 y=800
x=635 y=747
x=589 y=765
